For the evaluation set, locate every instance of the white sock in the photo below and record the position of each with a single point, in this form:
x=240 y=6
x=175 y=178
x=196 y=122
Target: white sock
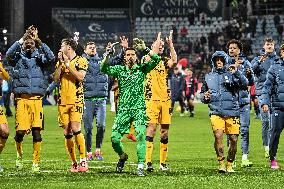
x=98 y=150
x=140 y=166
x=82 y=159
x=244 y=157
x=266 y=148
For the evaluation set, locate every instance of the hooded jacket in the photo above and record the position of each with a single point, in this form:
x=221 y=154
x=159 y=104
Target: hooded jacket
x=96 y=82
x=273 y=88
x=260 y=70
x=244 y=96
x=224 y=88
x=30 y=72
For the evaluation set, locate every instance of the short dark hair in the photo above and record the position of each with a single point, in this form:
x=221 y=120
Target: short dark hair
x=89 y=43
x=237 y=42
x=282 y=47
x=68 y=41
x=130 y=48
x=269 y=40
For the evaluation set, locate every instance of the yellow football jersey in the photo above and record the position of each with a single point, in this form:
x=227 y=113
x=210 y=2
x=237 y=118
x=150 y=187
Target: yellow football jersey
x=71 y=91
x=157 y=86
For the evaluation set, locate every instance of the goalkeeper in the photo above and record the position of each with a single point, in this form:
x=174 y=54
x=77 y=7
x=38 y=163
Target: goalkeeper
x=131 y=107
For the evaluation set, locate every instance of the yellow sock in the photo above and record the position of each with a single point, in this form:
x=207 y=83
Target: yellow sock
x=2 y=144
x=149 y=151
x=36 y=154
x=163 y=152
x=132 y=130
x=70 y=147
x=80 y=141
x=19 y=148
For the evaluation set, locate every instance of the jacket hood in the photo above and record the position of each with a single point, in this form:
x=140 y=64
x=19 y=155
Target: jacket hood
x=219 y=54
x=91 y=58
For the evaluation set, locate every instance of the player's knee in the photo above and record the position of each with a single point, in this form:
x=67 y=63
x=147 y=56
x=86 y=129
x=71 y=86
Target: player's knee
x=233 y=139
x=68 y=136
x=36 y=136
x=140 y=136
x=164 y=140
x=4 y=135
x=19 y=137
x=244 y=130
x=115 y=139
x=149 y=138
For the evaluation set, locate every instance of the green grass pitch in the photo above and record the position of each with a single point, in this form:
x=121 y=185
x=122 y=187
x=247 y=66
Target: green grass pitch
x=191 y=159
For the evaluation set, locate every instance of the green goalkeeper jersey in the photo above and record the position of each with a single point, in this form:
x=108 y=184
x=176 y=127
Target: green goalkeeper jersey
x=131 y=82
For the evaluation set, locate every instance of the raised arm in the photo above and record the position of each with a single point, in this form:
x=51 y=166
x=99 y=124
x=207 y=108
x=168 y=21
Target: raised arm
x=108 y=69
x=173 y=61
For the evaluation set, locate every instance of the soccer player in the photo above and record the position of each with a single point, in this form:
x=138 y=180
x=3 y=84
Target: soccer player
x=190 y=89
x=220 y=91
x=131 y=106
x=273 y=94
x=177 y=84
x=70 y=72
x=158 y=103
x=4 y=129
x=260 y=66
x=235 y=48
x=29 y=58
x=95 y=95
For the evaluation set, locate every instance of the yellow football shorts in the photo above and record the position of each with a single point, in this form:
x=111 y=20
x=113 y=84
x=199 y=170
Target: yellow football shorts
x=158 y=112
x=29 y=112
x=230 y=125
x=70 y=112
x=3 y=119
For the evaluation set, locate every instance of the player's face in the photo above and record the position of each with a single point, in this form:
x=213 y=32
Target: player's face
x=29 y=45
x=64 y=48
x=188 y=72
x=161 y=48
x=130 y=57
x=91 y=50
x=234 y=50
x=219 y=62
x=176 y=71
x=282 y=54
x=268 y=47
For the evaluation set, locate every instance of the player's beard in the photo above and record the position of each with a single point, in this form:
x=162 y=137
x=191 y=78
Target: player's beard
x=130 y=63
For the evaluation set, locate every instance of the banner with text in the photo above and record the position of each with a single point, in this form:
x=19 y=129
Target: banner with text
x=177 y=8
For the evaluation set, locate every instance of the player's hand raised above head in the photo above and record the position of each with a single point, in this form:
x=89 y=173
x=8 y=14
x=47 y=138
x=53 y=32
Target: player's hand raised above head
x=169 y=39
x=139 y=44
x=123 y=42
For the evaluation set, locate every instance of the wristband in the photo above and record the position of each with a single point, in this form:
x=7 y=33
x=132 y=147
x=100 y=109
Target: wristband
x=146 y=51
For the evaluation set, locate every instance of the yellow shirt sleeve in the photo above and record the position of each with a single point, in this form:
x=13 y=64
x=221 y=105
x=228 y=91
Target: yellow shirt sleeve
x=82 y=64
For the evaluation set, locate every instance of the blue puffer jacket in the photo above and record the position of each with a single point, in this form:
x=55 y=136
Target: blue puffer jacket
x=224 y=89
x=177 y=84
x=244 y=96
x=29 y=73
x=96 y=82
x=273 y=88
x=260 y=70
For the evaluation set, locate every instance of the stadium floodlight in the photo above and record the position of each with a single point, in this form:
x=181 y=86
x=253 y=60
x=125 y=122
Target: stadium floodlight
x=4 y=31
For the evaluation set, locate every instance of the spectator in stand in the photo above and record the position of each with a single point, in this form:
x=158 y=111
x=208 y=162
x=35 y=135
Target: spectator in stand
x=183 y=31
x=280 y=32
x=263 y=25
x=252 y=25
x=177 y=85
x=276 y=19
